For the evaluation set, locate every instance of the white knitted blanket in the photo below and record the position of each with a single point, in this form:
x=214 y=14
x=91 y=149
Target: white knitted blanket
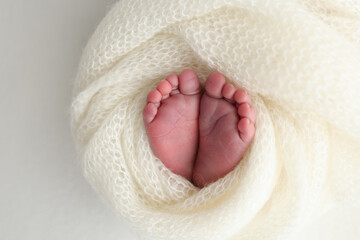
x=300 y=62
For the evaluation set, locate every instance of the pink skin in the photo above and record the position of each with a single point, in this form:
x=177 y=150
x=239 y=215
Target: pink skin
x=171 y=119
x=199 y=141
x=226 y=126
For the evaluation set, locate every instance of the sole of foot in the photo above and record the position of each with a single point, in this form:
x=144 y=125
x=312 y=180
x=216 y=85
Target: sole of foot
x=226 y=127
x=171 y=118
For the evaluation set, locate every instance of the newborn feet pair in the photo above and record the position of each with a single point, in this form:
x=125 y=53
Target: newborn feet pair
x=201 y=137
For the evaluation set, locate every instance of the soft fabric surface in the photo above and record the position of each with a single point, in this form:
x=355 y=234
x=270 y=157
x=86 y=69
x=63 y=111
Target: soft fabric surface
x=299 y=60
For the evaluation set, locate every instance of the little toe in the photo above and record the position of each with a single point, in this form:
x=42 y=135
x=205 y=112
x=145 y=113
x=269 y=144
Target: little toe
x=149 y=112
x=214 y=85
x=189 y=83
x=246 y=130
x=245 y=110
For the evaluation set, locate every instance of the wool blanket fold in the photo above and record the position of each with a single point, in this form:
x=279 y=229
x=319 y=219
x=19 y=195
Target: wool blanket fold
x=300 y=62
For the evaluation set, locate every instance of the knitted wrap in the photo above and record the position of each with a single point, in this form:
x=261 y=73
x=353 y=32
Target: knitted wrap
x=300 y=62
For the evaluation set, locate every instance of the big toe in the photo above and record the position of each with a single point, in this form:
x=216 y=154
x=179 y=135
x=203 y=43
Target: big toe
x=189 y=83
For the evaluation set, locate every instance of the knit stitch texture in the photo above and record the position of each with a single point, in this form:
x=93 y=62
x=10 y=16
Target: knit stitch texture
x=300 y=62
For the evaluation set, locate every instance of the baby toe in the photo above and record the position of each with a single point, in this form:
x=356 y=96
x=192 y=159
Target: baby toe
x=154 y=97
x=228 y=91
x=189 y=83
x=245 y=110
x=164 y=87
x=173 y=80
x=241 y=96
x=214 y=85
x=246 y=130
x=149 y=113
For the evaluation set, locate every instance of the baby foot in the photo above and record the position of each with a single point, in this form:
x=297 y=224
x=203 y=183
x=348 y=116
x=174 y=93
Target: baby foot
x=226 y=125
x=171 y=119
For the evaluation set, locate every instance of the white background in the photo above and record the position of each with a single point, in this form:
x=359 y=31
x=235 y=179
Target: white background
x=42 y=191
